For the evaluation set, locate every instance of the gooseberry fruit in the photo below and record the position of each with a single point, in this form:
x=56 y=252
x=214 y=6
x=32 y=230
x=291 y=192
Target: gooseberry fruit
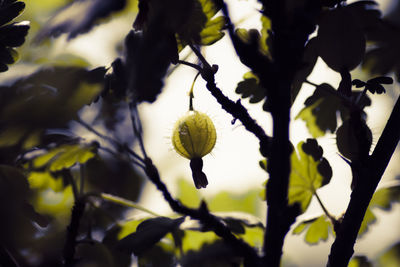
x=193 y=137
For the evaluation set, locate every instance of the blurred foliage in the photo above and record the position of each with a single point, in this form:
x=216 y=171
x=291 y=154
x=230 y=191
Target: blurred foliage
x=360 y=261
x=49 y=165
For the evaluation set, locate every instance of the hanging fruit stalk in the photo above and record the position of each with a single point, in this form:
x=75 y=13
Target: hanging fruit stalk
x=193 y=137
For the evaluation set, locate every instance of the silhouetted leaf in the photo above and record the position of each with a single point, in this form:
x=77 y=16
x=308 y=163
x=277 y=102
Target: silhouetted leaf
x=139 y=75
x=358 y=83
x=11 y=35
x=94 y=254
x=353 y=137
x=360 y=261
x=390 y=258
x=250 y=87
x=367 y=15
x=375 y=85
x=317 y=229
x=310 y=57
x=157 y=256
x=383 y=57
x=340 y=39
x=320 y=111
x=217 y=254
x=16 y=211
x=78 y=17
x=148 y=233
x=10 y=10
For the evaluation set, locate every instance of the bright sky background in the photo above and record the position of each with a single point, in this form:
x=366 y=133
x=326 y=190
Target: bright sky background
x=233 y=164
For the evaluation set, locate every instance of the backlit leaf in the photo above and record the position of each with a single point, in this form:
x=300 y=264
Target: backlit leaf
x=383 y=198
x=317 y=229
x=65 y=156
x=321 y=108
x=212 y=31
x=309 y=171
x=390 y=258
x=359 y=261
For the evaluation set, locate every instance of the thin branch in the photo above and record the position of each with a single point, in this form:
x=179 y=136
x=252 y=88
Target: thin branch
x=311 y=83
x=201 y=57
x=194 y=66
x=191 y=94
x=236 y=109
x=325 y=209
x=137 y=126
x=125 y=202
x=82 y=179
x=114 y=142
x=72 y=232
x=204 y=216
x=118 y=156
x=68 y=176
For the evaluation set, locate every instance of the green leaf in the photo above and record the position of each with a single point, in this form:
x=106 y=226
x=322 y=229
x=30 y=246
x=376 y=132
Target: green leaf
x=360 y=261
x=309 y=60
x=56 y=204
x=128 y=227
x=321 y=108
x=390 y=258
x=250 y=88
x=200 y=27
x=309 y=171
x=148 y=233
x=194 y=239
x=212 y=31
x=44 y=180
x=265 y=46
x=65 y=156
x=317 y=229
x=383 y=198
